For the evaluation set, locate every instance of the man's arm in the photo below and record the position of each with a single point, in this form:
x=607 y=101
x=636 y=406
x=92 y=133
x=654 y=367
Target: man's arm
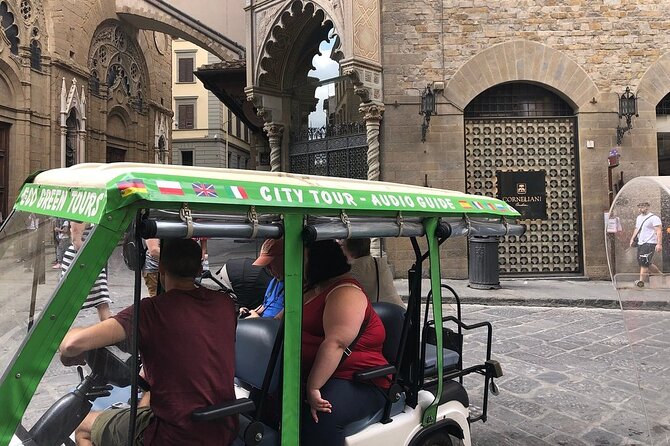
x=659 y=238
x=153 y=247
x=81 y=340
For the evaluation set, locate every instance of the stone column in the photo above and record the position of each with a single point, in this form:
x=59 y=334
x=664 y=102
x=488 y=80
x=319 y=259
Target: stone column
x=274 y=132
x=63 y=125
x=372 y=115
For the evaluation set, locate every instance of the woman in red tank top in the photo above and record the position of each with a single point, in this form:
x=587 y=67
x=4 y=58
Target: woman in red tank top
x=336 y=313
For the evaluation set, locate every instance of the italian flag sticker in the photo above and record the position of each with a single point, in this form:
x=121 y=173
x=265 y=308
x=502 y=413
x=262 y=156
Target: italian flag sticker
x=169 y=187
x=239 y=192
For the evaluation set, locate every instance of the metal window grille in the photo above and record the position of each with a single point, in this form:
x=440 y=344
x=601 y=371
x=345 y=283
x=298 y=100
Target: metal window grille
x=517 y=100
x=663 y=107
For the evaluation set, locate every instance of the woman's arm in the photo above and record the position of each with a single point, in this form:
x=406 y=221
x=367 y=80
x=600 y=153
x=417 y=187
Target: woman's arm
x=342 y=320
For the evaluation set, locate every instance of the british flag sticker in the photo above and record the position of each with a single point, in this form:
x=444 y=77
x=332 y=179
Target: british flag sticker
x=205 y=190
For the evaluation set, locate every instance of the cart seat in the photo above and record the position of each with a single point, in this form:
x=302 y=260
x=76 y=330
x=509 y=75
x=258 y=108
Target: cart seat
x=450 y=360
x=255 y=339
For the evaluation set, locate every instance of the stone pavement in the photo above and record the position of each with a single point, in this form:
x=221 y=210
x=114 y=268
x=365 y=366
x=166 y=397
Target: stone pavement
x=572 y=377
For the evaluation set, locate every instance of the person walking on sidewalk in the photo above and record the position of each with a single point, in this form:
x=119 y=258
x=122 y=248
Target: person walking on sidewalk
x=62 y=231
x=647 y=237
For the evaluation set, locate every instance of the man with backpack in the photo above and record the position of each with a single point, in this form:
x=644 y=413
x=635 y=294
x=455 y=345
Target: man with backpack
x=648 y=239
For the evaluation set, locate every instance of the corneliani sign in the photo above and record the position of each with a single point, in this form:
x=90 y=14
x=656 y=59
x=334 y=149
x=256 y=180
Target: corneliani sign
x=525 y=191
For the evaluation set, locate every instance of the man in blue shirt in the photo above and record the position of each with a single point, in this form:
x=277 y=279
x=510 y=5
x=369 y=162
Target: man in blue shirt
x=271 y=257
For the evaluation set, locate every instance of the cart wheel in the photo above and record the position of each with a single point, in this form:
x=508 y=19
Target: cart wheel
x=437 y=439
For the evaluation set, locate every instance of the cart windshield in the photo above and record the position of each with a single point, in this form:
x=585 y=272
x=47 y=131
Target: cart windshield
x=638 y=249
x=27 y=279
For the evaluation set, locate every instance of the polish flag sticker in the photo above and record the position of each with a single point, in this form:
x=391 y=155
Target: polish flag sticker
x=169 y=187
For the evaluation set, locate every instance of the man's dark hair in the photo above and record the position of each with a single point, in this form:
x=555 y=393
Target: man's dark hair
x=357 y=247
x=181 y=257
x=325 y=260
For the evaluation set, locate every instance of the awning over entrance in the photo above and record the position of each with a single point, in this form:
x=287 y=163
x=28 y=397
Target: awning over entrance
x=227 y=81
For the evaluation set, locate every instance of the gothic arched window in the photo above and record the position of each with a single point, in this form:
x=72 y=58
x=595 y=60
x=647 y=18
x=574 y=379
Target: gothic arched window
x=116 y=60
x=8 y=24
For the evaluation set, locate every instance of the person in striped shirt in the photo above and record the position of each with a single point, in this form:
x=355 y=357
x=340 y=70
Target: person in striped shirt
x=98 y=297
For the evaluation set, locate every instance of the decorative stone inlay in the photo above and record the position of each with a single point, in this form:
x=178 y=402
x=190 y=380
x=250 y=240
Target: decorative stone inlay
x=366 y=29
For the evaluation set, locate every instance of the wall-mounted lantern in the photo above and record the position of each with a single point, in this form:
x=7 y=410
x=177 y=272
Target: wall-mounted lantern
x=427 y=110
x=627 y=109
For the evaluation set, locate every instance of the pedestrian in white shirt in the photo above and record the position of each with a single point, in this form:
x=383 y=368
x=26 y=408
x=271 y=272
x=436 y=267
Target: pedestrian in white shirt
x=648 y=239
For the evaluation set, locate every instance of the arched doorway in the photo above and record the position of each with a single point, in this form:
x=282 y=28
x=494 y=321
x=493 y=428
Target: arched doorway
x=286 y=40
x=117 y=140
x=523 y=131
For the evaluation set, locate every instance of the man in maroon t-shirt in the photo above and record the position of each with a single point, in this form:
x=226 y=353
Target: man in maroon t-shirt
x=186 y=341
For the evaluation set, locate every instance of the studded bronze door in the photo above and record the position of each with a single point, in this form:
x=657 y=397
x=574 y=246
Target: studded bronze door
x=551 y=246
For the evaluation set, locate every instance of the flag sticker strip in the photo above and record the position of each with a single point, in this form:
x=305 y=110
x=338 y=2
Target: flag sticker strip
x=205 y=190
x=464 y=204
x=478 y=205
x=169 y=187
x=492 y=206
x=239 y=192
x=131 y=186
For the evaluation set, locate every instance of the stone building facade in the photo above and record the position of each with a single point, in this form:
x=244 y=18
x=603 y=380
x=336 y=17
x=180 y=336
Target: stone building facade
x=77 y=84
x=522 y=88
x=582 y=54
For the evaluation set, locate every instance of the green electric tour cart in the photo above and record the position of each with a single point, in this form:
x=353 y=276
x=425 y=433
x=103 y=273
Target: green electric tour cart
x=427 y=403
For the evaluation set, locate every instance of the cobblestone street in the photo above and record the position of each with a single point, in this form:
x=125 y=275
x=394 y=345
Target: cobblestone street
x=570 y=377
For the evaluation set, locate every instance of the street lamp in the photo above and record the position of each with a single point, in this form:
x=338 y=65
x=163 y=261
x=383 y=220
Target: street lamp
x=627 y=109
x=427 y=109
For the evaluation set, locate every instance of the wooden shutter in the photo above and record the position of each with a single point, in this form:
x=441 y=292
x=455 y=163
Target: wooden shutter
x=185 y=118
x=186 y=69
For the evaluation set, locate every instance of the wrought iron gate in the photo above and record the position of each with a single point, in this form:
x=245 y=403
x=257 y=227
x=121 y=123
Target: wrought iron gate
x=549 y=246
x=335 y=150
